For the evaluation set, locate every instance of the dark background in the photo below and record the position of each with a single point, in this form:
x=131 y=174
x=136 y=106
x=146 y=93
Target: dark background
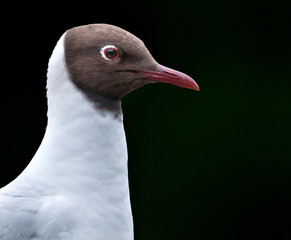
x=213 y=164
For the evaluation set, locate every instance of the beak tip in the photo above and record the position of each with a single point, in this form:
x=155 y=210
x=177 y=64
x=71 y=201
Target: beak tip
x=195 y=86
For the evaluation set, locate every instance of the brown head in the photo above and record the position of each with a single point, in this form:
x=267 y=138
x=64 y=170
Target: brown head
x=107 y=62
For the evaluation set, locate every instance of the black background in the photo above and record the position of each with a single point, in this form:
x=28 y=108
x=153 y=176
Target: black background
x=213 y=164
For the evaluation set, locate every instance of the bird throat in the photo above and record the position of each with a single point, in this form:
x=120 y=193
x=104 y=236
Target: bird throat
x=103 y=104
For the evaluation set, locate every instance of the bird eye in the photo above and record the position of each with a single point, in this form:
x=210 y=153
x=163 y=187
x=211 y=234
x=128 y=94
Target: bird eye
x=109 y=52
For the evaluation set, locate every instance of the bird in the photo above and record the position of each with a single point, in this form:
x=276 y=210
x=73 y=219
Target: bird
x=76 y=185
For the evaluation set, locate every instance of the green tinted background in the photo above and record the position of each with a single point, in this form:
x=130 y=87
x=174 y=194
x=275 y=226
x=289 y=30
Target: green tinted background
x=213 y=164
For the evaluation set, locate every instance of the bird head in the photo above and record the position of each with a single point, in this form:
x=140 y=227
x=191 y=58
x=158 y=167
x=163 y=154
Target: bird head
x=111 y=62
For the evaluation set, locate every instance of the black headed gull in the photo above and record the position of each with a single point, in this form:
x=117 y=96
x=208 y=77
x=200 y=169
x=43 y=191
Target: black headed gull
x=76 y=185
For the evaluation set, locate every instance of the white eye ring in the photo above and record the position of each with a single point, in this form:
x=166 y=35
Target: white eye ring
x=103 y=49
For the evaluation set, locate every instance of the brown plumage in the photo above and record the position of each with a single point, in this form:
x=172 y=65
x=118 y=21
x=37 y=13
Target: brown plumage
x=91 y=72
x=106 y=82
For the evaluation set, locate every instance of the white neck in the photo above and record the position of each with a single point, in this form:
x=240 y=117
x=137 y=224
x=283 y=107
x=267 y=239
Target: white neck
x=82 y=158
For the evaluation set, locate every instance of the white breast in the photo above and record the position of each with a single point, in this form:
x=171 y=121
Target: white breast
x=77 y=183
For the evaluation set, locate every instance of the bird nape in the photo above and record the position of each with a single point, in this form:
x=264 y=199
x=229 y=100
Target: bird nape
x=76 y=185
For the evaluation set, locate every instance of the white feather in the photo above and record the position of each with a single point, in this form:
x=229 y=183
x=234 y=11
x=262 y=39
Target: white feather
x=76 y=186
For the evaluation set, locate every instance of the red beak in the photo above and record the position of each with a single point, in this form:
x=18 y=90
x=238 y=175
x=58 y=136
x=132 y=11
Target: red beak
x=168 y=75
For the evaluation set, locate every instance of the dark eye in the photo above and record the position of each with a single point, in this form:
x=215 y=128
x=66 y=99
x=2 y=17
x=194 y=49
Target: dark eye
x=111 y=53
